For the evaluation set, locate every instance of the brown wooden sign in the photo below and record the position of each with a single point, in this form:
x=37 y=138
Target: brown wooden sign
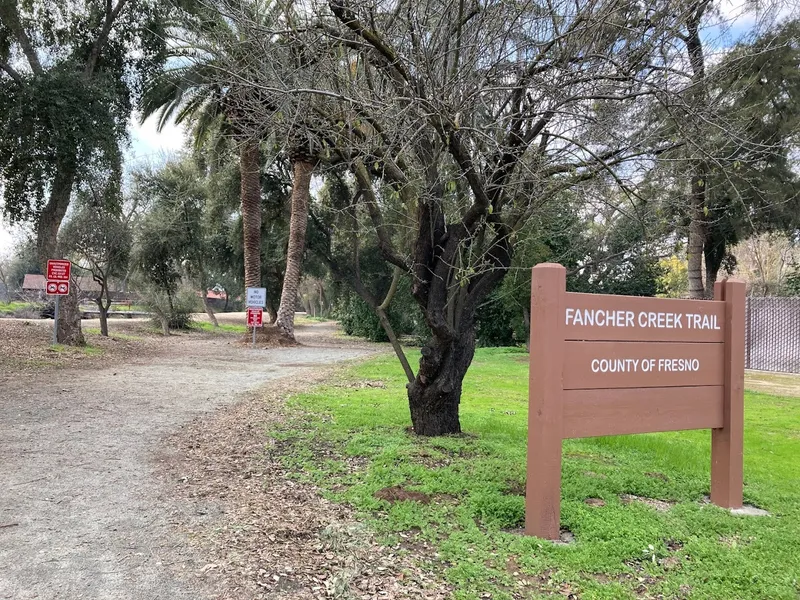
x=612 y=365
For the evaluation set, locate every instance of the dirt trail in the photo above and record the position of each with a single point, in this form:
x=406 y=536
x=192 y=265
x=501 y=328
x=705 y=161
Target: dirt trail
x=78 y=511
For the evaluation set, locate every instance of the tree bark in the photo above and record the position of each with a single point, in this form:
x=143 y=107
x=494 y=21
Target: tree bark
x=272 y=313
x=714 y=253
x=526 y=317
x=69 y=331
x=696 y=242
x=250 y=168
x=69 y=322
x=209 y=310
x=698 y=103
x=102 y=307
x=435 y=394
x=301 y=193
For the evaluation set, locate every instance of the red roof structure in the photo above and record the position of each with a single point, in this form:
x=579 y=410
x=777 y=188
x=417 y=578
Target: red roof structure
x=36 y=283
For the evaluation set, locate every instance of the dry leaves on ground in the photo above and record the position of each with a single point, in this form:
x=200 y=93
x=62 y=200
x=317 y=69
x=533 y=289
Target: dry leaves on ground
x=25 y=347
x=266 y=536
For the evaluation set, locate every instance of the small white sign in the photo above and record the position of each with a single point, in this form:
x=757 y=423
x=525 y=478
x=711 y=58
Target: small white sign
x=257 y=297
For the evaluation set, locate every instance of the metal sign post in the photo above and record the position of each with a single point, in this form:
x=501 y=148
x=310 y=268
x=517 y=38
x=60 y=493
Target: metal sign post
x=55 y=322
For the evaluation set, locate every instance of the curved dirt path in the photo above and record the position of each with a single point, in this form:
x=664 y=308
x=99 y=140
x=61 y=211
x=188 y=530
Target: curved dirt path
x=79 y=517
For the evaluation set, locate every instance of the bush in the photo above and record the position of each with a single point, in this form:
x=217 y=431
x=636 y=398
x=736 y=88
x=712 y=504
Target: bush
x=494 y=323
x=357 y=318
x=171 y=311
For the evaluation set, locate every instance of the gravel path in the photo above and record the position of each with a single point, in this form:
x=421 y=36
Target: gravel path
x=78 y=512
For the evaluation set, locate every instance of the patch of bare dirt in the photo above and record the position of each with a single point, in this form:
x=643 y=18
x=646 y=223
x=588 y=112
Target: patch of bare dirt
x=778 y=384
x=596 y=502
x=542 y=583
x=397 y=493
x=267 y=536
x=659 y=505
x=267 y=336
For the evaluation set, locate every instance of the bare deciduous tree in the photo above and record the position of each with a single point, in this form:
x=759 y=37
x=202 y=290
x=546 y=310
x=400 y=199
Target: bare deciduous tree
x=458 y=121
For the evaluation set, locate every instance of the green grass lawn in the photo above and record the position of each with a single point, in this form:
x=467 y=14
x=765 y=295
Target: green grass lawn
x=352 y=441
x=11 y=307
x=223 y=327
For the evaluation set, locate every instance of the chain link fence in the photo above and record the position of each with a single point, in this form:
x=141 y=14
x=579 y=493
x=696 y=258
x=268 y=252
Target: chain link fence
x=772 y=336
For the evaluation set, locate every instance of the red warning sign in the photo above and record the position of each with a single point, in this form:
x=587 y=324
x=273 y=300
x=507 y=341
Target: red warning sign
x=57 y=288
x=58 y=270
x=255 y=317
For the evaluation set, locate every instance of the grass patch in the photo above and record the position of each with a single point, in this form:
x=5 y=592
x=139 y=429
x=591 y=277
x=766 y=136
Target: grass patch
x=114 y=335
x=306 y=319
x=223 y=327
x=12 y=307
x=86 y=350
x=351 y=440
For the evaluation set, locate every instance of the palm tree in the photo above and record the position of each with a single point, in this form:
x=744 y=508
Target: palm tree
x=302 y=169
x=192 y=88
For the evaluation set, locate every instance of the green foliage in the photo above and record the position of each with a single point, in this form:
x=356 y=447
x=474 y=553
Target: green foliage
x=64 y=119
x=494 y=322
x=98 y=239
x=674 y=282
x=476 y=481
x=356 y=318
x=55 y=120
x=174 y=308
x=25 y=260
x=793 y=281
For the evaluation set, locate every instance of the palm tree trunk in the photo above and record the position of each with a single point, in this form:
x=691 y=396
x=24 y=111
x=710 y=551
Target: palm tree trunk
x=301 y=193
x=249 y=166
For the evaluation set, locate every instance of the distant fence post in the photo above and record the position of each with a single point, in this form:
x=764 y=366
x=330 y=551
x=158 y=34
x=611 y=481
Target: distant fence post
x=545 y=409
x=727 y=441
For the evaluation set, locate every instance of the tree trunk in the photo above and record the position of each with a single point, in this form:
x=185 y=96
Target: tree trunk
x=526 y=317
x=69 y=318
x=272 y=313
x=696 y=242
x=69 y=322
x=698 y=103
x=249 y=166
x=165 y=325
x=714 y=253
x=435 y=394
x=103 y=316
x=301 y=194
x=209 y=310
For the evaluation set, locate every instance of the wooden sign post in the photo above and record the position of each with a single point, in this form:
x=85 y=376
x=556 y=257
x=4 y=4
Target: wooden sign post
x=613 y=365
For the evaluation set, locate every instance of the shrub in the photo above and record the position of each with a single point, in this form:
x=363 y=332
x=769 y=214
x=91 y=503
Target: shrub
x=171 y=311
